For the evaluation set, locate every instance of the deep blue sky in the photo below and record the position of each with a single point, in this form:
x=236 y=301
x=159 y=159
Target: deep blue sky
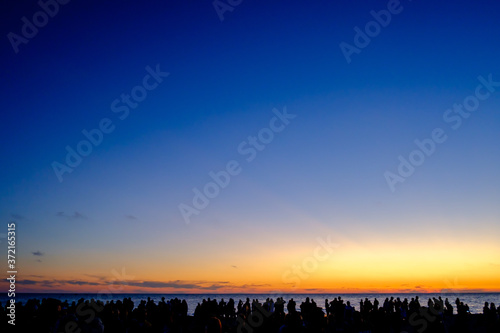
x=353 y=121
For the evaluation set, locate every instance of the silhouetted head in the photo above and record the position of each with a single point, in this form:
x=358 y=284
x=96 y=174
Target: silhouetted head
x=213 y=325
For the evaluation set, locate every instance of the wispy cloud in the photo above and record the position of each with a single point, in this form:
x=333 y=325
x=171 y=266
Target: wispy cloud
x=75 y=215
x=158 y=284
x=37 y=276
x=463 y=291
x=28 y=282
x=177 y=284
x=58 y=283
x=98 y=277
x=252 y=285
x=17 y=217
x=131 y=217
x=81 y=283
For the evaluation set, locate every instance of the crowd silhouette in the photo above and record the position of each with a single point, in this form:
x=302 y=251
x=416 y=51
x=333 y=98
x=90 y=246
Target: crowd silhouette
x=251 y=316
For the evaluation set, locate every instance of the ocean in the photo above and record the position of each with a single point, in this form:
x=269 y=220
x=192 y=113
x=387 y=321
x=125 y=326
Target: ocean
x=474 y=300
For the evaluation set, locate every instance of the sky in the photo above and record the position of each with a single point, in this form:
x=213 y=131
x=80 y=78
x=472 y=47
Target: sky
x=251 y=146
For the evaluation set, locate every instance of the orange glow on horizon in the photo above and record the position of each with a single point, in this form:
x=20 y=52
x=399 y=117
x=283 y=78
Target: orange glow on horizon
x=351 y=267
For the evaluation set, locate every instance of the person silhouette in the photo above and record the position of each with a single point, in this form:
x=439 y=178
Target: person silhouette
x=291 y=306
x=213 y=325
x=486 y=309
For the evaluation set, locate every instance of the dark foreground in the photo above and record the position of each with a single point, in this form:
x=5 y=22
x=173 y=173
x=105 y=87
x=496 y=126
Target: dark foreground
x=391 y=315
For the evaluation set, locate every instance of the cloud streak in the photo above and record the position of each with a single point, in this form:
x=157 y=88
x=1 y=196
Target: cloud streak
x=176 y=284
x=74 y=216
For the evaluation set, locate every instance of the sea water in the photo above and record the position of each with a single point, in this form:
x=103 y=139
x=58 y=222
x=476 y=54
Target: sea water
x=474 y=300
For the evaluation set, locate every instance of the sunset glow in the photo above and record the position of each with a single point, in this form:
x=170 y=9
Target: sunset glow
x=161 y=149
